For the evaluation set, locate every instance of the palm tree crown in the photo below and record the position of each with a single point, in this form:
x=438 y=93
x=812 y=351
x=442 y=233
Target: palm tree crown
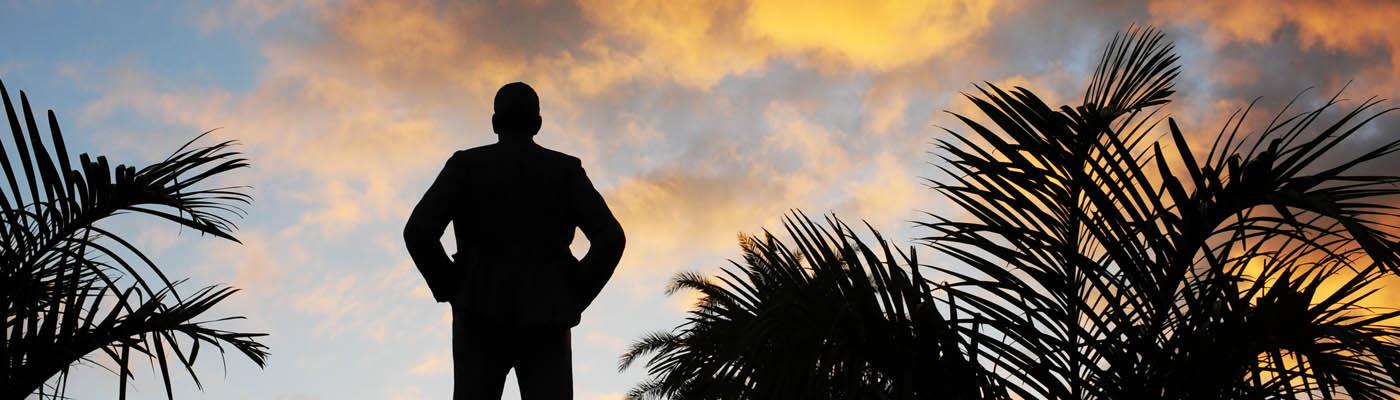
x=69 y=287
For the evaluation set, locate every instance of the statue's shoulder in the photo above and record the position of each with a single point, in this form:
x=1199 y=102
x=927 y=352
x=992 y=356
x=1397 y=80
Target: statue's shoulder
x=473 y=155
x=495 y=152
x=559 y=157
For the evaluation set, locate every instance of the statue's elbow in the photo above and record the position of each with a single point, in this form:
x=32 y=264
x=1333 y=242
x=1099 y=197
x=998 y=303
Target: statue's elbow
x=620 y=240
x=413 y=233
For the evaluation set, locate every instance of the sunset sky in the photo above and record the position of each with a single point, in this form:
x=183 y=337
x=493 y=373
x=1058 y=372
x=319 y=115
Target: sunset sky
x=697 y=120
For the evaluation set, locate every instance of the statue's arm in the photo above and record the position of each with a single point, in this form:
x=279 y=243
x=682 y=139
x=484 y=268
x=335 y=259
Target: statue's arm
x=423 y=232
x=604 y=234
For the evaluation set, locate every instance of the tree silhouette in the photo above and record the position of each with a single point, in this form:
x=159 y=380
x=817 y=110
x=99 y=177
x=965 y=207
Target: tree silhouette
x=1100 y=270
x=828 y=318
x=1096 y=263
x=70 y=287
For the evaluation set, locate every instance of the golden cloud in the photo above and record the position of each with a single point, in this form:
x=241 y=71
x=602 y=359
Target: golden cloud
x=870 y=35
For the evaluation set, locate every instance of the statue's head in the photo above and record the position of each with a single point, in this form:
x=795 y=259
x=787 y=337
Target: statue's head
x=517 y=110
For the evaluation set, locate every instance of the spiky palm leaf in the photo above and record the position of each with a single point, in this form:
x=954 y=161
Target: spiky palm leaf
x=834 y=316
x=1097 y=270
x=70 y=288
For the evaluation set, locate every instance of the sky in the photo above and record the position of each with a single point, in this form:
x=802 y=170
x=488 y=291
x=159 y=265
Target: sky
x=697 y=120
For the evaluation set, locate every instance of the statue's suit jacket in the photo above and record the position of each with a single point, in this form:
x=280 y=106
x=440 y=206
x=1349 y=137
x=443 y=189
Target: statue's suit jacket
x=514 y=207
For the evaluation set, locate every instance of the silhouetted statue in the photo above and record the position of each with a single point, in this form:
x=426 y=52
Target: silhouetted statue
x=514 y=286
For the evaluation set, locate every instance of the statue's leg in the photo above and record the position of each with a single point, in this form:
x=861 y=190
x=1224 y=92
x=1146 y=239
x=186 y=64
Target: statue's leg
x=480 y=359
x=545 y=364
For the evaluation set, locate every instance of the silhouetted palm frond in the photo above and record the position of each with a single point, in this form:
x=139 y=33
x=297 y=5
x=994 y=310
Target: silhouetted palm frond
x=832 y=316
x=70 y=288
x=1103 y=272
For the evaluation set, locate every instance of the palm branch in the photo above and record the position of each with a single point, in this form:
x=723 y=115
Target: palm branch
x=70 y=288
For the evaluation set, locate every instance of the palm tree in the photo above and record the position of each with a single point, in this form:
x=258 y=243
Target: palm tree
x=828 y=318
x=70 y=288
x=1096 y=263
x=1100 y=263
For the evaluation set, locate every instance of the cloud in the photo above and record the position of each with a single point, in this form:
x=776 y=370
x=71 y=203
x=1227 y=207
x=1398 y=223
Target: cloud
x=1350 y=40
x=1271 y=51
x=879 y=36
x=886 y=108
x=686 y=300
x=433 y=363
x=346 y=126
x=10 y=66
x=341 y=148
x=1353 y=26
x=589 y=46
x=332 y=299
x=245 y=14
x=257 y=270
x=591 y=395
x=258 y=267
x=891 y=192
x=699 y=120
x=157 y=240
x=695 y=208
x=604 y=342
x=351 y=121
x=407 y=393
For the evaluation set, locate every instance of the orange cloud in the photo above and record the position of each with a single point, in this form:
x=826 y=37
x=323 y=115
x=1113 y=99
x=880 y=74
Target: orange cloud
x=871 y=35
x=892 y=194
x=1352 y=26
x=691 y=43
